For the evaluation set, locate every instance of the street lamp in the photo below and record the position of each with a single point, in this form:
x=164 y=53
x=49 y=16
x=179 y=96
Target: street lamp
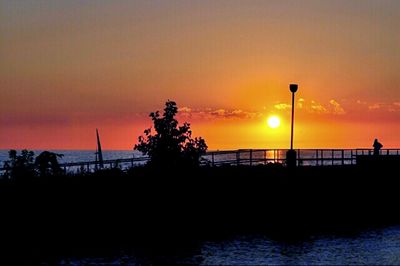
x=291 y=154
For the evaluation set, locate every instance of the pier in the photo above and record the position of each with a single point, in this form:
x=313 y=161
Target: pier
x=251 y=157
x=304 y=157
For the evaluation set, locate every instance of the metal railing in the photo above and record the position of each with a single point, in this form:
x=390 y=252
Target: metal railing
x=249 y=157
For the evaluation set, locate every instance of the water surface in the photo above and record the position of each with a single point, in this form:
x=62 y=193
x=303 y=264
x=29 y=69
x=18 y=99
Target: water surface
x=371 y=247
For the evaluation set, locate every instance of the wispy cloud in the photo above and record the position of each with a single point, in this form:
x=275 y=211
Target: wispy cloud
x=314 y=107
x=306 y=106
x=218 y=113
x=300 y=103
x=337 y=108
x=185 y=109
x=374 y=106
x=384 y=107
x=282 y=106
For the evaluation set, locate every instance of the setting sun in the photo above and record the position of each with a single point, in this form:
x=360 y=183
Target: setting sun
x=274 y=122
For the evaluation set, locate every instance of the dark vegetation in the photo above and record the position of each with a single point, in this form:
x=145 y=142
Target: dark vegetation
x=25 y=167
x=172 y=146
x=151 y=210
x=163 y=207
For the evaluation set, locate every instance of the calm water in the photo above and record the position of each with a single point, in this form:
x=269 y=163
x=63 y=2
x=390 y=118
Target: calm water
x=373 y=247
x=79 y=155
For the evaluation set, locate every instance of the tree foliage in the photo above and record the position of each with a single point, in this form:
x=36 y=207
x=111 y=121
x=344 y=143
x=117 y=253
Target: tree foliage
x=47 y=163
x=20 y=166
x=171 y=145
x=24 y=166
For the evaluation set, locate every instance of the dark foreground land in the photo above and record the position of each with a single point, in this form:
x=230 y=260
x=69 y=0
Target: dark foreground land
x=44 y=219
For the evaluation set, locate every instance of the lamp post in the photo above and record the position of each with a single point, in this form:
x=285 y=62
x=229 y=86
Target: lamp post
x=291 y=154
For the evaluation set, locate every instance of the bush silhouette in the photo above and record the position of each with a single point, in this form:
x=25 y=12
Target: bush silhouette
x=47 y=163
x=24 y=166
x=20 y=166
x=171 y=145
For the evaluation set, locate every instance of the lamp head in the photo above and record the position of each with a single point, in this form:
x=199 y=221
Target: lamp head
x=293 y=87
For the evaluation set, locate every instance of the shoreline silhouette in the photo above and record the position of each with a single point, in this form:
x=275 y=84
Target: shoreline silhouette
x=145 y=207
x=175 y=199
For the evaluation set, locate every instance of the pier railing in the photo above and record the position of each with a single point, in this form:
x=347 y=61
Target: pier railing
x=305 y=157
x=249 y=157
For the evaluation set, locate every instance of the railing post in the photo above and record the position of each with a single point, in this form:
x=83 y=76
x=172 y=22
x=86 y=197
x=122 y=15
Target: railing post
x=132 y=162
x=212 y=159
x=251 y=157
x=333 y=157
x=265 y=157
x=277 y=155
x=342 y=157
x=388 y=153
x=237 y=157
x=299 y=158
x=316 y=157
x=351 y=155
x=322 y=157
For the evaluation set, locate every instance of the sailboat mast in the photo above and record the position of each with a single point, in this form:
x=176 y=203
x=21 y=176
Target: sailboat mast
x=99 y=152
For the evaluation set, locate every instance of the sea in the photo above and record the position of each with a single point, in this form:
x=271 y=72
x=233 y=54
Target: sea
x=76 y=156
x=370 y=247
x=70 y=156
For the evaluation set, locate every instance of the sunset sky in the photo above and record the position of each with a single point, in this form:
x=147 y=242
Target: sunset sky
x=67 y=67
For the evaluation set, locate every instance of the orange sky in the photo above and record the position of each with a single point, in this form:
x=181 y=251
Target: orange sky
x=69 y=67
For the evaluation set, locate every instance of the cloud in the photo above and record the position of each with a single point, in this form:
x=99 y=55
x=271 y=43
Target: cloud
x=218 y=113
x=337 y=108
x=237 y=112
x=185 y=109
x=394 y=107
x=234 y=114
x=185 y=112
x=332 y=107
x=282 y=106
x=384 y=107
x=374 y=106
x=300 y=103
x=314 y=107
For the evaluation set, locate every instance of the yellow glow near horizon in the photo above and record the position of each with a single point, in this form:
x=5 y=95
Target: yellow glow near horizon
x=274 y=121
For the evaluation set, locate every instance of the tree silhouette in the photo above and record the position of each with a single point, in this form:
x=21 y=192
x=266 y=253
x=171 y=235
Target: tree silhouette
x=47 y=163
x=24 y=166
x=172 y=145
x=20 y=166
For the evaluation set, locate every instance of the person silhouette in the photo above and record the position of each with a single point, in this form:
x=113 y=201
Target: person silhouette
x=377 y=147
